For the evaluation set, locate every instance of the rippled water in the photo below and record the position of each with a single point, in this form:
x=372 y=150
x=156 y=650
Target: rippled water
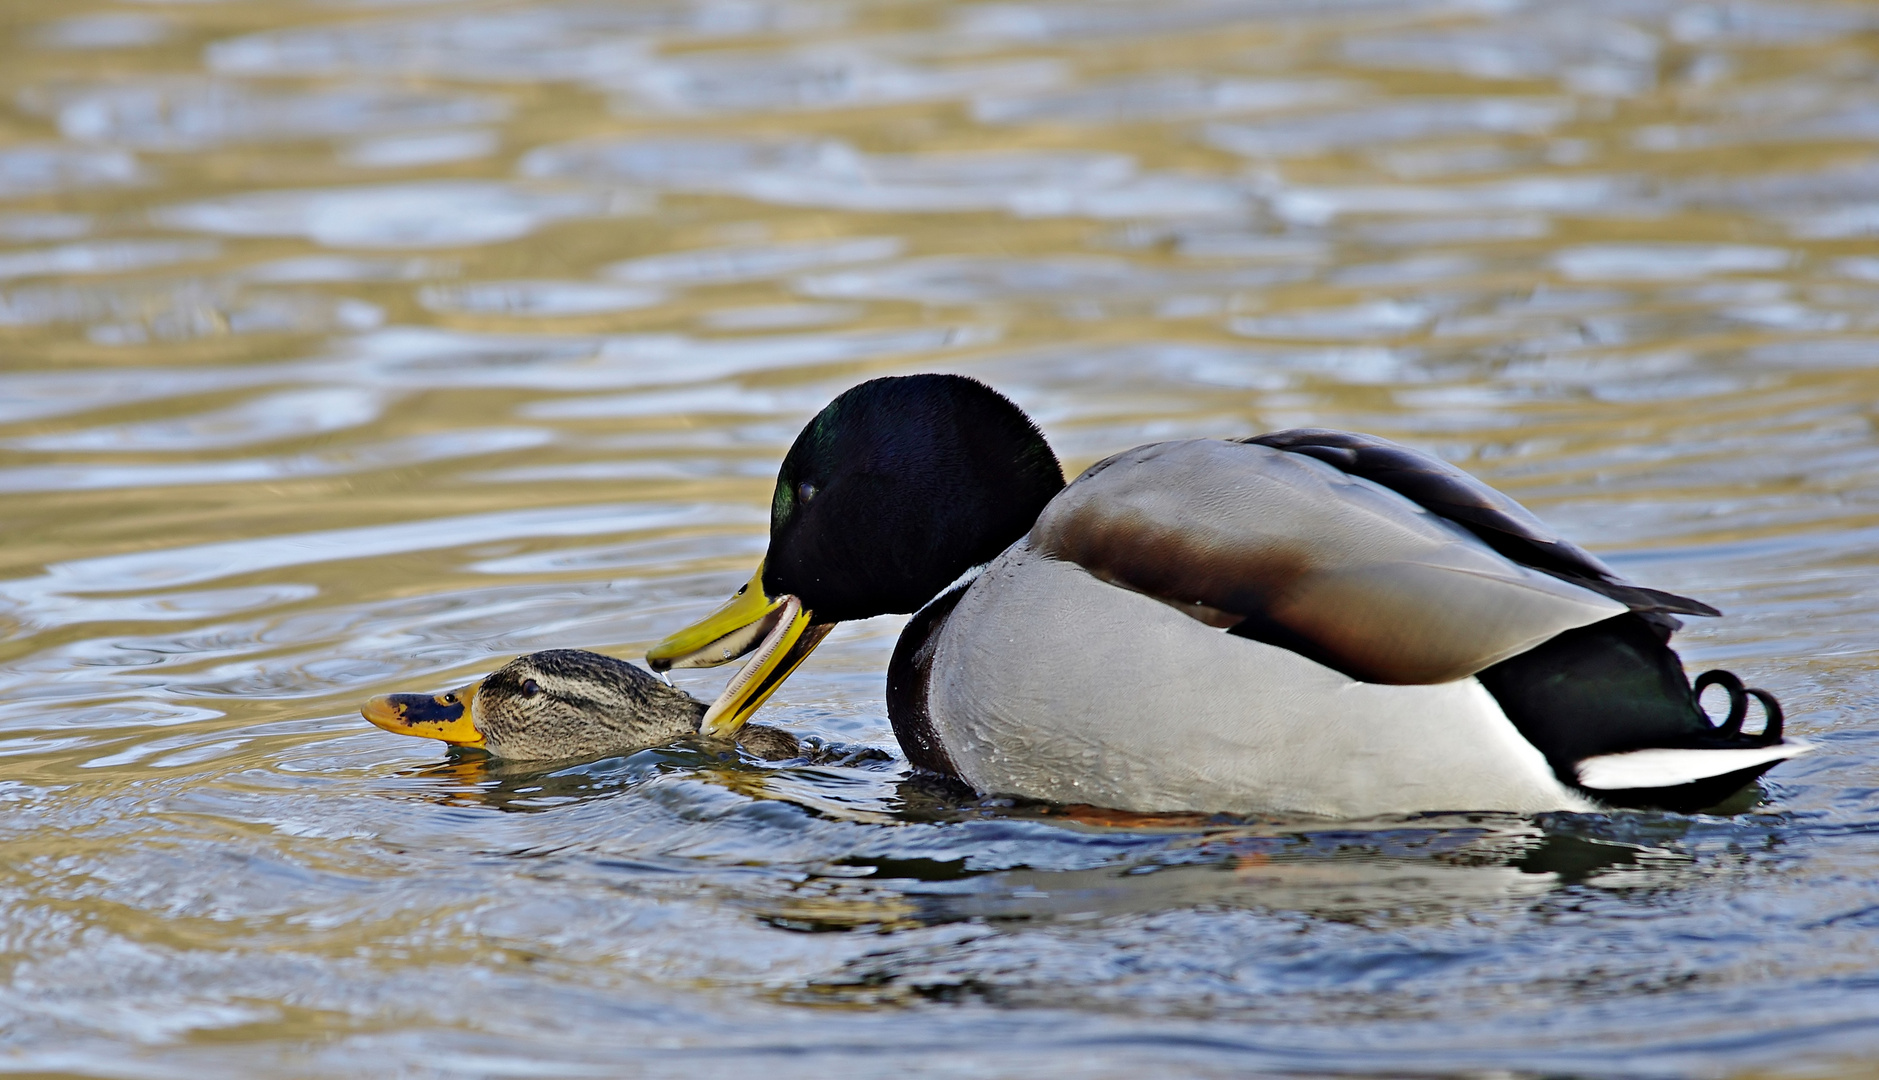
x=359 y=345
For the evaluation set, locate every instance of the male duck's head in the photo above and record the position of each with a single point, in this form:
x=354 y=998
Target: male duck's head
x=547 y=706
x=894 y=490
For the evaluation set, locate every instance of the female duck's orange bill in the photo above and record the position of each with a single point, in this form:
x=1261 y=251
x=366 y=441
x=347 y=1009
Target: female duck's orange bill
x=449 y=717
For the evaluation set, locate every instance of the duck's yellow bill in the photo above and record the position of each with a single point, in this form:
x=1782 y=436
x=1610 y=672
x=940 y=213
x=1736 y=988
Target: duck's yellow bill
x=780 y=631
x=449 y=717
x=722 y=636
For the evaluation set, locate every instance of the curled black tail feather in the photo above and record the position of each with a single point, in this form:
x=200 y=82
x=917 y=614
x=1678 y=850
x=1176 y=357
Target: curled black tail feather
x=1771 y=732
x=1731 y=727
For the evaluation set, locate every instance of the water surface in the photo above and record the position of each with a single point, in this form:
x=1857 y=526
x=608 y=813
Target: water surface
x=350 y=346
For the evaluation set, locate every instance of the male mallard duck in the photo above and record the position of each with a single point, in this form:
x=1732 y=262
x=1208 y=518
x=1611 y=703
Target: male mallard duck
x=562 y=704
x=1307 y=621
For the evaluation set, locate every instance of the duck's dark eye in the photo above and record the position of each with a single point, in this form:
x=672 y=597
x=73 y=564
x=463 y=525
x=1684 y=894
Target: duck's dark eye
x=805 y=491
x=530 y=688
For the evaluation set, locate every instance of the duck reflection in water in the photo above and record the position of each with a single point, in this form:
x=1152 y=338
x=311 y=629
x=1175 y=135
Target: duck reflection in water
x=1379 y=874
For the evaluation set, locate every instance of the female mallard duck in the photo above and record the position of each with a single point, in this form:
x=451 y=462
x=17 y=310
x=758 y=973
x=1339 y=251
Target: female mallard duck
x=562 y=704
x=1307 y=621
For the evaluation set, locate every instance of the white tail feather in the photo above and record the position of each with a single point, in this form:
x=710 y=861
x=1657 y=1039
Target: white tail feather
x=1662 y=768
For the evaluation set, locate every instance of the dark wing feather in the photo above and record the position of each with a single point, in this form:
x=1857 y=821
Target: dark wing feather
x=1500 y=522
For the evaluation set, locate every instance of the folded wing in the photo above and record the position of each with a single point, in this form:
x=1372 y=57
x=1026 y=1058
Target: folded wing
x=1291 y=549
x=1500 y=522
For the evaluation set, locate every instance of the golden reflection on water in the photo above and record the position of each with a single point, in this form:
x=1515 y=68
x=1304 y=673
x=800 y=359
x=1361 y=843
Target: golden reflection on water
x=357 y=346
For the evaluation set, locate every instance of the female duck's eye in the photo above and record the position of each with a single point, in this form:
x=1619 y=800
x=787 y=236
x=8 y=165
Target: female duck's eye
x=530 y=688
x=805 y=491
